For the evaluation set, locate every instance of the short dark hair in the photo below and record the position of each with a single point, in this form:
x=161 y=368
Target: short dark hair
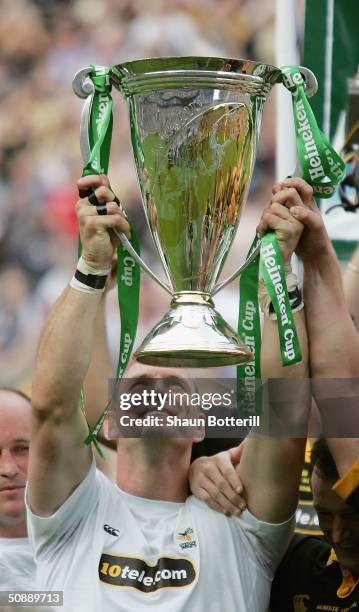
x=322 y=459
x=17 y=392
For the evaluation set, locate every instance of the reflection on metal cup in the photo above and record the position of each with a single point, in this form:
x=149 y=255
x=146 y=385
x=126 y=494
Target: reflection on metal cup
x=195 y=123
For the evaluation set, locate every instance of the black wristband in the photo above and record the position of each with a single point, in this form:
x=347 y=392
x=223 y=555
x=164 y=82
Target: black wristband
x=91 y=280
x=295 y=300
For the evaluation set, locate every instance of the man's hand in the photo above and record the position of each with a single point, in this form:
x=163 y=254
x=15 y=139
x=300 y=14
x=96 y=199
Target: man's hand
x=277 y=216
x=98 y=242
x=214 y=480
x=314 y=241
x=112 y=277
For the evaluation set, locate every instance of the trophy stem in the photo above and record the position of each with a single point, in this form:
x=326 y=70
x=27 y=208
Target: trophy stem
x=192 y=333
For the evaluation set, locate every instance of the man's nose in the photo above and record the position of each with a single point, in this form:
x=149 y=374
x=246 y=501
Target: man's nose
x=339 y=531
x=8 y=466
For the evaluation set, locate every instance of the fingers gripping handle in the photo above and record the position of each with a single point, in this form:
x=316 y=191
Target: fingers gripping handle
x=84 y=88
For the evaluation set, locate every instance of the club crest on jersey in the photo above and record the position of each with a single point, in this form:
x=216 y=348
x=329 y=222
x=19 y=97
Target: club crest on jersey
x=186 y=539
x=135 y=573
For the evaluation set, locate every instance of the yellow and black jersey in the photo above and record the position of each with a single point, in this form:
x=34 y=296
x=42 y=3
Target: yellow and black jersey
x=309 y=579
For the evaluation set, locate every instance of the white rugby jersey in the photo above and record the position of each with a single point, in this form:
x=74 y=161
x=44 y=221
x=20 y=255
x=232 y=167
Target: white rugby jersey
x=17 y=565
x=113 y=552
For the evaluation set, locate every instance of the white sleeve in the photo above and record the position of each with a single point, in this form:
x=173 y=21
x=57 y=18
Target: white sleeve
x=56 y=530
x=268 y=541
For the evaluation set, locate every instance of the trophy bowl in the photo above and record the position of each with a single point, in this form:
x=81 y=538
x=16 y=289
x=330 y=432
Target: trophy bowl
x=195 y=123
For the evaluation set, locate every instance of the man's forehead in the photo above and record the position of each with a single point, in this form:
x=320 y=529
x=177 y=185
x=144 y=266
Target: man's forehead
x=15 y=414
x=13 y=400
x=138 y=370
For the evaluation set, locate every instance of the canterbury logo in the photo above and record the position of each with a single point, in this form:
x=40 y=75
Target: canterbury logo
x=137 y=574
x=111 y=530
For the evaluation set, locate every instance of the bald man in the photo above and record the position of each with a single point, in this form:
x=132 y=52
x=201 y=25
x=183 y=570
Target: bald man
x=17 y=566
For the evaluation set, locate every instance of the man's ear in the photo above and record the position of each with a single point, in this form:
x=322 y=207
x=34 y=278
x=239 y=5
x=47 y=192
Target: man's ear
x=199 y=434
x=104 y=435
x=199 y=430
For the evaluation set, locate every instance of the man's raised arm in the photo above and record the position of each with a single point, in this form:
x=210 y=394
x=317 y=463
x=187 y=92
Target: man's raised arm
x=270 y=467
x=58 y=459
x=334 y=343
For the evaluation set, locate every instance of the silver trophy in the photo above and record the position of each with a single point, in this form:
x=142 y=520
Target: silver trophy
x=195 y=123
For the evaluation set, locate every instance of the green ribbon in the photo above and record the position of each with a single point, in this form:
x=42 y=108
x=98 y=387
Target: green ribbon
x=128 y=271
x=323 y=169
x=96 y=444
x=273 y=274
x=249 y=331
x=321 y=165
x=100 y=123
x=128 y=285
x=272 y=270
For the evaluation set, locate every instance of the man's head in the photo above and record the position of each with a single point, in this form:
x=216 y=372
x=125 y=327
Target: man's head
x=15 y=419
x=158 y=392
x=338 y=521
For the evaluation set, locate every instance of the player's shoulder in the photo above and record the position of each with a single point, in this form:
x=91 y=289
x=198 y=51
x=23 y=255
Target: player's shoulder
x=304 y=553
x=199 y=506
x=209 y=518
x=105 y=485
x=308 y=545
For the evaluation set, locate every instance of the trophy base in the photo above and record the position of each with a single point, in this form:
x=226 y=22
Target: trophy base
x=192 y=334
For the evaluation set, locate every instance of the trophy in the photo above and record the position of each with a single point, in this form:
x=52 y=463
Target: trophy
x=195 y=123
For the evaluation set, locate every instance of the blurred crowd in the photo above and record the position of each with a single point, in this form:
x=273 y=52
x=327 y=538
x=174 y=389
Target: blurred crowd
x=43 y=43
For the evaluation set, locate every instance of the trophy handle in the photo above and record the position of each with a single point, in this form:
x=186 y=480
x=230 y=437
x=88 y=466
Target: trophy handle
x=310 y=80
x=128 y=246
x=237 y=272
x=311 y=83
x=83 y=88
